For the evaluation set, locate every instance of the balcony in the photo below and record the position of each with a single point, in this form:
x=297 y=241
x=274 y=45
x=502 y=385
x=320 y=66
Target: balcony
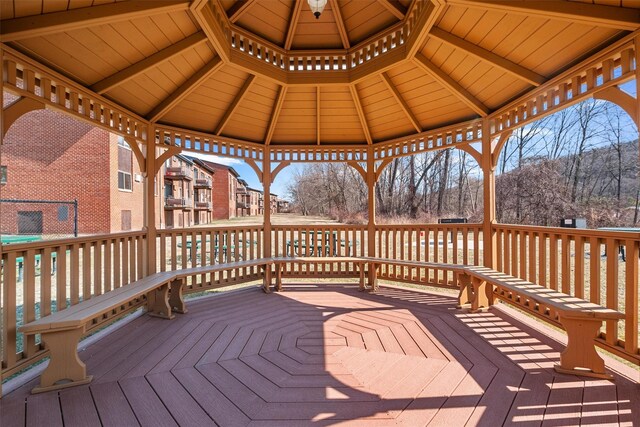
x=241 y=190
x=202 y=183
x=177 y=203
x=202 y=206
x=177 y=173
x=242 y=205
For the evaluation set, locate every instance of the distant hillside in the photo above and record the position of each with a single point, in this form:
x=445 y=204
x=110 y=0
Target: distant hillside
x=602 y=185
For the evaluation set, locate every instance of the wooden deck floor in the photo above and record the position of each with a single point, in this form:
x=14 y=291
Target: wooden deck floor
x=327 y=356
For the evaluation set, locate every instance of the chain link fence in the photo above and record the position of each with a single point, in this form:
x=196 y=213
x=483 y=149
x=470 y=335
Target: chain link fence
x=28 y=220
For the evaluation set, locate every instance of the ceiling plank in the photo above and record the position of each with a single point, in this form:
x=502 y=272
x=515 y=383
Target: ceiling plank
x=485 y=55
x=293 y=23
x=239 y=8
x=453 y=86
x=154 y=60
x=398 y=97
x=277 y=107
x=361 y=116
x=318 y=114
x=394 y=7
x=57 y=22
x=583 y=13
x=241 y=94
x=344 y=36
x=185 y=89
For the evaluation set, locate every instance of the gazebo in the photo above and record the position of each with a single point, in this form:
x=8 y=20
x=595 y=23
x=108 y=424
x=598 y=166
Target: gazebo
x=279 y=82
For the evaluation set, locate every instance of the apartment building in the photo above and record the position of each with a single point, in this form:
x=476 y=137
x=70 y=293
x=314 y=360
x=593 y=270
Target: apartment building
x=187 y=192
x=48 y=156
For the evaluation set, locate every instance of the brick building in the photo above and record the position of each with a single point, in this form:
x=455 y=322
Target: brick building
x=50 y=156
x=186 y=193
x=225 y=186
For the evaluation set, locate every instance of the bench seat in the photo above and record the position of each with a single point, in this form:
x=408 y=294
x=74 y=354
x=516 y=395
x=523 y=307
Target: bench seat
x=375 y=263
x=61 y=331
x=581 y=319
x=281 y=261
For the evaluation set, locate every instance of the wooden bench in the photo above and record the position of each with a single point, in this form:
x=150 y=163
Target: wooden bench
x=280 y=263
x=61 y=331
x=581 y=319
x=375 y=263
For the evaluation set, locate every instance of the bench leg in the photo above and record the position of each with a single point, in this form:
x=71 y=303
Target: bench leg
x=266 y=283
x=176 y=300
x=158 y=303
x=580 y=356
x=361 y=271
x=373 y=276
x=279 y=268
x=465 y=297
x=480 y=300
x=65 y=368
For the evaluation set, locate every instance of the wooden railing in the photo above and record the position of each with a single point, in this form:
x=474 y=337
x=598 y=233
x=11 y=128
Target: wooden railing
x=48 y=276
x=176 y=250
x=443 y=243
x=43 y=277
x=587 y=264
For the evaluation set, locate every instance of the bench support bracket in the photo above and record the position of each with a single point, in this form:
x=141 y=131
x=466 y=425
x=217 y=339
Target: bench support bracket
x=158 y=303
x=65 y=368
x=480 y=300
x=580 y=356
x=176 y=300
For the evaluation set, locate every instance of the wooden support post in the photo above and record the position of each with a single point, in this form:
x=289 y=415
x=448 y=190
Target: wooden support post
x=266 y=185
x=158 y=303
x=489 y=241
x=176 y=300
x=580 y=356
x=371 y=224
x=65 y=368
x=149 y=203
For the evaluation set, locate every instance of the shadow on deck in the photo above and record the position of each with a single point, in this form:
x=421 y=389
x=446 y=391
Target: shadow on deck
x=324 y=356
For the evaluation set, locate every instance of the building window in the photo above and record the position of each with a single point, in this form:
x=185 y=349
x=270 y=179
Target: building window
x=122 y=143
x=3 y=174
x=124 y=181
x=125 y=167
x=63 y=213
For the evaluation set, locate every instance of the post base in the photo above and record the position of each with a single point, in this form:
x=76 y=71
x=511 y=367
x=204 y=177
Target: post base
x=583 y=373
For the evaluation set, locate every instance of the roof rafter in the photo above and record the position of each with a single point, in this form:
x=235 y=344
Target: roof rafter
x=57 y=22
x=453 y=86
x=398 y=97
x=239 y=8
x=394 y=7
x=185 y=89
x=363 y=120
x=583 y=13
x=140 y=67
x=241 y=94
x=487 y=56
x=293 y=23
x=344 y=36
x=277 y=107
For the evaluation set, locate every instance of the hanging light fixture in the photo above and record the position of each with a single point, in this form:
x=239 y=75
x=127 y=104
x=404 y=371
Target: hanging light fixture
x=317 y=6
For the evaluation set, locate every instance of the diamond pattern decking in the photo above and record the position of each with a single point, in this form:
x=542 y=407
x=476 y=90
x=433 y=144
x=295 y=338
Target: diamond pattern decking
x=325 y=356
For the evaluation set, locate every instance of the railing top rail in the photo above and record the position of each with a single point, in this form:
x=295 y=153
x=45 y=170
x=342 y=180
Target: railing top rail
x=208 y=229
x=43 y=244
x=583 y=232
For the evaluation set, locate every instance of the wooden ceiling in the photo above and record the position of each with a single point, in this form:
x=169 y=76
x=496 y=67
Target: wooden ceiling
x=165 y=60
